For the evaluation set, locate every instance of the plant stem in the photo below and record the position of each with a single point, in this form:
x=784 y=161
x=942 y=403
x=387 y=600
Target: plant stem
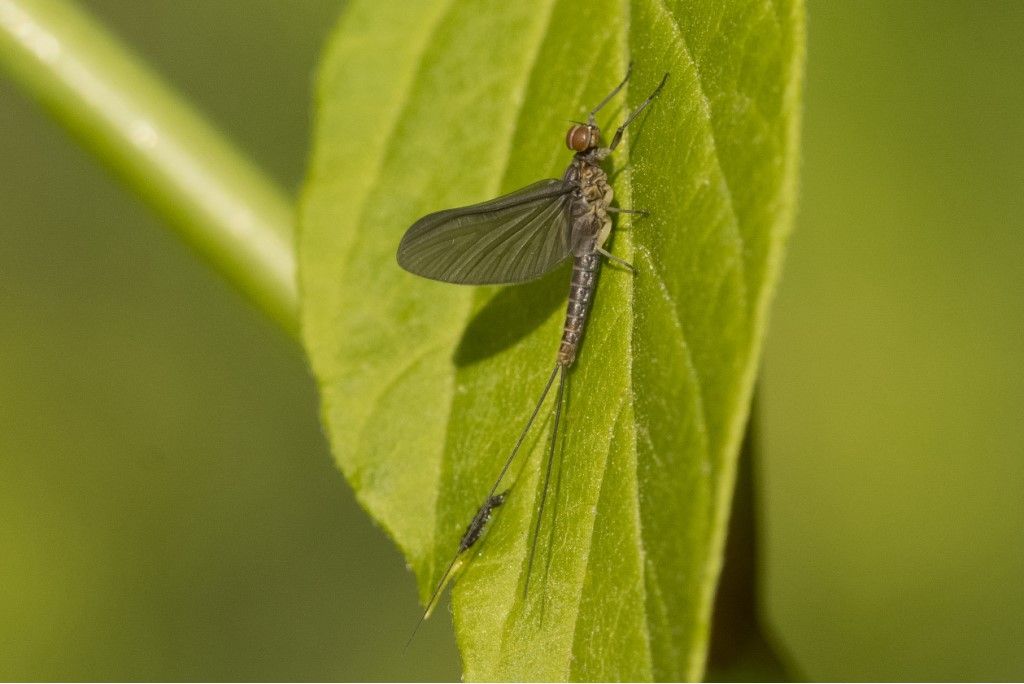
x=222 y=205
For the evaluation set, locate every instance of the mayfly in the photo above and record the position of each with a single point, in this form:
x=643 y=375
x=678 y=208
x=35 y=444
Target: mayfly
x=520 y=237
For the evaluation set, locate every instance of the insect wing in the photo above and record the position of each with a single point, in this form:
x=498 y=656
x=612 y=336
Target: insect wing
x=510 y=239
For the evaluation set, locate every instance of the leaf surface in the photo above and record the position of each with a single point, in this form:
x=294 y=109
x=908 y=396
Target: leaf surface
x=425 y=386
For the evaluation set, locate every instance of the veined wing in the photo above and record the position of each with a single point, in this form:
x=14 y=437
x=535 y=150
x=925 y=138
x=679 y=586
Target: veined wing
x=510 y=239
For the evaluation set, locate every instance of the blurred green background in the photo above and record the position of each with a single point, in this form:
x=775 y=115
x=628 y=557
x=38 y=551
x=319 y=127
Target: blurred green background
x=168 y=508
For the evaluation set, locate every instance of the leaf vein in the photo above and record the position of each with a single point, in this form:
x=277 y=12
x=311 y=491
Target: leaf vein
x=593 y=530
x=691 y=367
x=733 y=224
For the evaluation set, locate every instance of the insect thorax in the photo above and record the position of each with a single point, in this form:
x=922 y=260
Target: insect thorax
x=588 y=210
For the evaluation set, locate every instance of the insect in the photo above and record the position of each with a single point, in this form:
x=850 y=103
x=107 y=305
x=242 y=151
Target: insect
x=519 y=237
x=477 y=526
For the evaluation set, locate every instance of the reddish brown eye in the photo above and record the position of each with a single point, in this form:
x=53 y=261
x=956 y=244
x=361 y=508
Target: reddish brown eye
x=581 y=138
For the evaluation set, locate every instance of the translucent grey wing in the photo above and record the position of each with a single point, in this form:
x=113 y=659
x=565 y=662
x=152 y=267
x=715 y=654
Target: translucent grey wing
x=510 y=239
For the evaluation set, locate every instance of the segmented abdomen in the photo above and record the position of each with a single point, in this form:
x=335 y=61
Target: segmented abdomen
x=581 y=294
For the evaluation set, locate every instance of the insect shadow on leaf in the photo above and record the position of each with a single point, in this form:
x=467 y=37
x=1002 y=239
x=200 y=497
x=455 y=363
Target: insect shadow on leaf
x=510 y=315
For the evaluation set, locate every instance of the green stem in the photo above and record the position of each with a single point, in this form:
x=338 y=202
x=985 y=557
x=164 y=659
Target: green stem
x=125 y=114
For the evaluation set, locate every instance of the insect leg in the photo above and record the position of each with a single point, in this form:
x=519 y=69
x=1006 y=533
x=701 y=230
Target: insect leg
x=636 y=112
x=615 y=260
x=610 y=95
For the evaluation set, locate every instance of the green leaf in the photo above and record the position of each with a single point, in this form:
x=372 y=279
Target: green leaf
x=425 y=386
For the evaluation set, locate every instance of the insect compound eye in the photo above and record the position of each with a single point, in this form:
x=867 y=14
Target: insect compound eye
x=581 y=138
